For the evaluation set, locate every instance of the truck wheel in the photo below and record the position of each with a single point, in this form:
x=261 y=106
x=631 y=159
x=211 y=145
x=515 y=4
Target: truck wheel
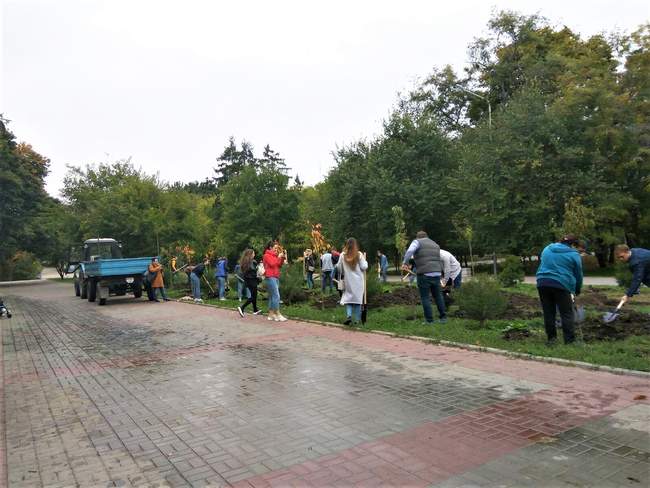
x=77 y=289
x=137 y=289
x=92 y=290
x=84 y=289
x=102 y=301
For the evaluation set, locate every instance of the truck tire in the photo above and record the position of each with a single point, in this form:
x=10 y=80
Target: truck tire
x=92 y=290
x=77 y=289
x=84 y=289
x=137 y=289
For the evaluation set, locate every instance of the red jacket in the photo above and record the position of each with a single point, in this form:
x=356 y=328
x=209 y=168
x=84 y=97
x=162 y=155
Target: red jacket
x=272 y=264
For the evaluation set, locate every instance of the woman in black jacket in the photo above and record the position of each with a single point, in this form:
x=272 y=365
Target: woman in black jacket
x=249 y=273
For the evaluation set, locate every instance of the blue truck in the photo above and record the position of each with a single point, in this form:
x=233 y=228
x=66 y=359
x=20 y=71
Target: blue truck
x=100 y=271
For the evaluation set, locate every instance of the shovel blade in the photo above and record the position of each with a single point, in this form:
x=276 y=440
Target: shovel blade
x=610 y=317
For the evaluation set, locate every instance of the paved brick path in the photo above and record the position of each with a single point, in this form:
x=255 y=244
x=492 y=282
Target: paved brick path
x=140 y=394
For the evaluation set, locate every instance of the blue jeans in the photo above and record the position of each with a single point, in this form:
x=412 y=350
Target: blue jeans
x=196 y=286
x=326 y=280
x=431 y=285
x=163 y=295
x=242 y=290
x=353 y=311
x=458 y=280
x=310 y=280
x=273 y=288
x=221 y=285
x=383 y=277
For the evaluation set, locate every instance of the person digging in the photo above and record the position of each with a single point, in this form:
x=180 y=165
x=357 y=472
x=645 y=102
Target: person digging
x=559 y=279
x=638 y=259
x=429 y=271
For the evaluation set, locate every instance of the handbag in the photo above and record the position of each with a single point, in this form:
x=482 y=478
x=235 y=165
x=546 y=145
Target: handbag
x=261 y=271
x=340 y=283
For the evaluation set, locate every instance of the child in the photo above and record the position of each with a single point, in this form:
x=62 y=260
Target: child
x=4 y=310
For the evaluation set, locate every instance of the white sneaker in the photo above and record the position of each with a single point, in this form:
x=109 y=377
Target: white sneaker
x=271 y=317
x=257 y=313
x=222 y=299
x=198 y=300
x=281 y=318
x=241 y=312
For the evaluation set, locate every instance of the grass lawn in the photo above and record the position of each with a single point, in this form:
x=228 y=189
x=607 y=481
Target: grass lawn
x=630 y=353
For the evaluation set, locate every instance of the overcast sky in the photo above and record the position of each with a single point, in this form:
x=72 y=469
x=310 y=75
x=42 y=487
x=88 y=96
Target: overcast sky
x=167 y=82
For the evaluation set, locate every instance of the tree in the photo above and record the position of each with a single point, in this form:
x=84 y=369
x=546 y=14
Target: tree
x=233 y=161
x=401 y=239
x=257 y=205
x=22 y=175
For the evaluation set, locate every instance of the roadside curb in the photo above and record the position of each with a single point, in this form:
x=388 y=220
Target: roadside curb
x=468 y=347
x=23 y=282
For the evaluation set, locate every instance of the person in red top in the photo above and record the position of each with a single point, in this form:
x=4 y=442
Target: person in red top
x=272 y=264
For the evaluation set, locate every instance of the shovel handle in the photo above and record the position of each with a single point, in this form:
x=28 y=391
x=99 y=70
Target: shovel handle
x=620 y=305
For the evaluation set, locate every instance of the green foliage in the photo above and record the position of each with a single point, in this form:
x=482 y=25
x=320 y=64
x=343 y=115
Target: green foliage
x=401 y=239
x=623 y=275
x=22 y=174
x=256 y=206
x=374 y=287
x=481 y=299
x=291 y=284
x=512 y=271
x=24 y=266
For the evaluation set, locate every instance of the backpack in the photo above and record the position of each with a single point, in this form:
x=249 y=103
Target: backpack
x=261 y=272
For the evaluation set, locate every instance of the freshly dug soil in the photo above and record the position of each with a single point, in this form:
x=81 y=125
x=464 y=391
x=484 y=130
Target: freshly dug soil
x=592 y=297
x=630 y=323
x=516 y=334
x=399 y=296
x=522 y=307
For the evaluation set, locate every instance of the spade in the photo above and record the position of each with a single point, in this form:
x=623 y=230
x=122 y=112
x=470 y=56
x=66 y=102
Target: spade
x=614 y=314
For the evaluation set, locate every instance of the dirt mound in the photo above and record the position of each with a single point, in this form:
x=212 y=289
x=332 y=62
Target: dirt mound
x=398 y=296
x=592 y=297
x=522 y=307
x=630 y=323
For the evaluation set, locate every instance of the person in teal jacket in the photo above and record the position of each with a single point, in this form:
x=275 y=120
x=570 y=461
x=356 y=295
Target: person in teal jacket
x=559 y=278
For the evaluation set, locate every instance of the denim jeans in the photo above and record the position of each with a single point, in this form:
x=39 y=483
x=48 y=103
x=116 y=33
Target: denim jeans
x=458 y=280
x=326 y=280
x=196 y=286
x=353 y=311
x=383 y=276
x=163 y=295
x=251 y=290
x=242 y=290
x=310 y=280
x=221 y=285
x=273 y=288
x=430 y=285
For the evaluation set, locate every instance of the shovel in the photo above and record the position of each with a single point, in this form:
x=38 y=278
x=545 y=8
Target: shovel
x=364 y=306
x=610 y=317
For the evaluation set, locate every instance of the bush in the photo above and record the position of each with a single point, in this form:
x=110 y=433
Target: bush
x=512 y=271
x=291 y=284
x=373 y=285
x=22 y=266
x=623 y=275
x=482 y=299
x=590 y=263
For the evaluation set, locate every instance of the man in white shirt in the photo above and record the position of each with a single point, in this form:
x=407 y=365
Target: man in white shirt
x=451 y=270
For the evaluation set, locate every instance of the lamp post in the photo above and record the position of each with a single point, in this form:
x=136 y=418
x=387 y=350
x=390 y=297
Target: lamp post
x=494 y=253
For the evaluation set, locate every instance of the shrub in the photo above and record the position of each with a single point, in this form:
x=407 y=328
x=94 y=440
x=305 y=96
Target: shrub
x=590 y=263
x=512 y=271
x=482 y=299
x=623 y=275
x=291 y=284
x=24 y=266
x=373 y=285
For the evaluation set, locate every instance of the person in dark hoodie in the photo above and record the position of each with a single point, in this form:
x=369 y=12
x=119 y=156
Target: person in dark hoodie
x=559 y=278
x=638 y=259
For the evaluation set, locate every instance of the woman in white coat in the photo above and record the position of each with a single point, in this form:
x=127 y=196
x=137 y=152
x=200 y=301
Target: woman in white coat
x=351 y=266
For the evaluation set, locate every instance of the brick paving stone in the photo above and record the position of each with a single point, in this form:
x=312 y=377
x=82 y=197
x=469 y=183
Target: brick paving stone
x=178 y=395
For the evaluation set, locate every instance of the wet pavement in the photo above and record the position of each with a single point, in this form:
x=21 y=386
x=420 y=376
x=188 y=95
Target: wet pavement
x=173 y=394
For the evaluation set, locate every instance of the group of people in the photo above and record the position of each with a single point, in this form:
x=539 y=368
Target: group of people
x=559 y=281
x=559 y=278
